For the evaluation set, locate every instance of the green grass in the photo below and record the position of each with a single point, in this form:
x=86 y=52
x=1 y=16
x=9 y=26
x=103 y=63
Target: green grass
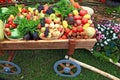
x=38 y=65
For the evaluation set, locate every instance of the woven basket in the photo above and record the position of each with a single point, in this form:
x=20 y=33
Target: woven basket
x=53 y=38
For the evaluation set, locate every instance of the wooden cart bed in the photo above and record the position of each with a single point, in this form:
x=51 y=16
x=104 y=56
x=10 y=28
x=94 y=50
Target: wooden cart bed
x=45 y=44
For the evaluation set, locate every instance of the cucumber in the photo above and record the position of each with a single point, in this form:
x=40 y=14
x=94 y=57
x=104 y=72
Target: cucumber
x=1 y=30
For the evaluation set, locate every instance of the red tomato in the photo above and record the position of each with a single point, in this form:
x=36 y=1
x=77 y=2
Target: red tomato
x=84 y=20
x=9 y=1
x=77 y=17
x=7 y=25
x=80 y=28
x=8 y=33
x=13 y=25
x=83 y=12
x=10 y=19
x=74 y=29
x=70 y=33
x=24 y=10
x=28 y=17
x=70 y=14
x=60 y=29
x=64 y=37
x=67 y=30
x=10 y=22
x=47 y=20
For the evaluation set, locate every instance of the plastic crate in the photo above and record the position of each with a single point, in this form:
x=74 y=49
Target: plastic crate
x=26 y=2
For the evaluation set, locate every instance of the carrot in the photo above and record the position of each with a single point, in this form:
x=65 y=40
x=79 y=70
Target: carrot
x=72 y=1
x=75 y=4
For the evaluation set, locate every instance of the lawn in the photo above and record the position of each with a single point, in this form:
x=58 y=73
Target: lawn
x=38 y=65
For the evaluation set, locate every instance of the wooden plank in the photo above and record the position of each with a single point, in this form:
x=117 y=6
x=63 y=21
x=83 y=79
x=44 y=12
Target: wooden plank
x=45 y=44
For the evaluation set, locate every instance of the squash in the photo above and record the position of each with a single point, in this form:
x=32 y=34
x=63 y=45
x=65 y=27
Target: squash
x=1 y=30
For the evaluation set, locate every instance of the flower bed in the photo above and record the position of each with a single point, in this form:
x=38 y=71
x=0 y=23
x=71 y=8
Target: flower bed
x=108 y=40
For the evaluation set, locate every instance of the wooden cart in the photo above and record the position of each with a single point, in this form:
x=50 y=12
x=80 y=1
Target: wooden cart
x=70 y=44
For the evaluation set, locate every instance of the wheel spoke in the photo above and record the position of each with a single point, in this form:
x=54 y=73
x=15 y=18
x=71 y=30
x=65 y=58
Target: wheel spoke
x=12 y=71
x=62 y=65
x=11 y=66
x=72 y=67
x=71 y=73
x=7 y=65
x=1 y=65
x=61 y=71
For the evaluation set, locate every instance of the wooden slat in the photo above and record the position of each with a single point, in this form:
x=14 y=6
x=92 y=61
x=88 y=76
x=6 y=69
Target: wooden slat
x=45 y=44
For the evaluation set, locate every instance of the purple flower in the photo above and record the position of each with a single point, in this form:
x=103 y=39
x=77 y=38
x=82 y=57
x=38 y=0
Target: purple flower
x=102 y=36
x=116 y=30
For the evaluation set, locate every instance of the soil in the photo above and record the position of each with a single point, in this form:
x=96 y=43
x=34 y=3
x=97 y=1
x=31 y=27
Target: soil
x=100 y=11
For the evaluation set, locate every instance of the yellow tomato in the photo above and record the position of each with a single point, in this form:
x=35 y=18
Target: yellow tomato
x=88 y=16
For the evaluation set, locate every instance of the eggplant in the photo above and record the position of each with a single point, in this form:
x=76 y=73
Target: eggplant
x=46 y=32
x=35 y=36
x=27 y=36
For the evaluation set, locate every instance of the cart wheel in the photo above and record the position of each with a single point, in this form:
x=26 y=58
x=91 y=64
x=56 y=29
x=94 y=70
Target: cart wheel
x=67 y=68
x=9 y=68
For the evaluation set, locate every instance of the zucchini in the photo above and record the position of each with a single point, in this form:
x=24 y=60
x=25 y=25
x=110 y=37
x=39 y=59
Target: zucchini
x=1 y=30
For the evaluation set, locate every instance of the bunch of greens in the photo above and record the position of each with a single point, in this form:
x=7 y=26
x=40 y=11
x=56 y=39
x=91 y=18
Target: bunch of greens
x=64 y=7
x=12 y=10
x=26 y=26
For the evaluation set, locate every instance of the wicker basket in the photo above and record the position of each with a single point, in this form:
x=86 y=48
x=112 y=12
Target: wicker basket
x=53 y=38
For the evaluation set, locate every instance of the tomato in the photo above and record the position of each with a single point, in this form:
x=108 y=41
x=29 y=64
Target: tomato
x=70 y=33
x=24 y=10
x=28 y=17
x=60 y=29
x=84 y=20
x=13 y=25
x=74 y=29
x=7 y=25
x=77 y=17
x=70 y=14
x=67 y=30
x=80 y=28
x=9 y=1
x=83 y=12
x=10 y=22
x=10 y=19
x=8 y=33
x=64 y=37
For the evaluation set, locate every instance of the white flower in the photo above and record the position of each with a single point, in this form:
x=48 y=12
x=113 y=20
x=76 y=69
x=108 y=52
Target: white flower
x=102 y=44
x=105 y=42
x=114 y=36
x=108 y=40
x=108 y=28
x=111 y=31
x=107 y=33
x=98 y=44
x=102 y=29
